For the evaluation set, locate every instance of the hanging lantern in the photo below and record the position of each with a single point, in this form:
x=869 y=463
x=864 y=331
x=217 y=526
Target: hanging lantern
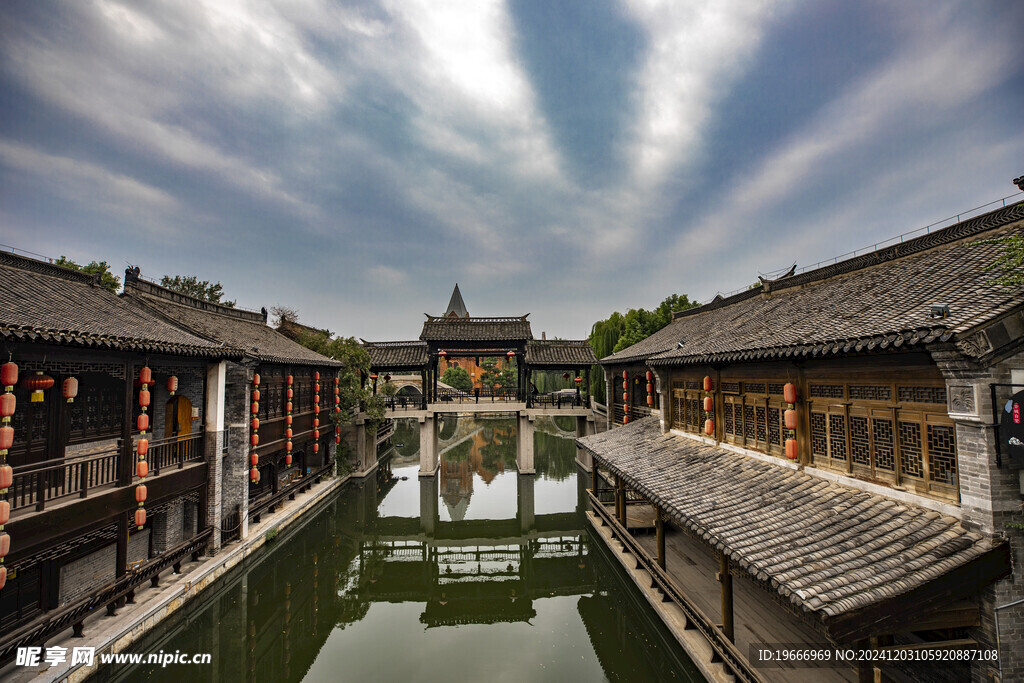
x=288 y=394
x=287 y=419
x=337 y=400
x=288 y=380
x=288 y=406
x=790 y=416
x=142 y=469
x=70 y=389
x=6 y=437
x=650 y=388
x=6 y=477
x=565 y=375
x=254 y=475
x=254 y=440
x=709 y=427
x=255 y=395
x=316 y=409
x=578 y=380
x=5 y=544
x=288 y=433
x=255 y=424
x=288 y=446
x=140 y=493
x=255 y=407
x=791 y=451
x=510 y=355
x=145 y=375
x=316 y=376
x=708 y=383
x=316 y=433
x=288 y=459
x=625 y=396
x=142 y=422
x=172 y=384
x=9 y=375
x=316 y=448
x=140 y=517
x=625 y=408
x=709 y=404
x=316 y=398
x=337 y=439
x=650 y=400
x=625 y=385
x=625 y=375
x=8 y=403
x=373 y=377
x=142 y=447
x=255 y=379
x=144 y=398
x=316 y=422
x=337 y=380
x=254 y=459
x=387 y=378
x=5 y=512
x=442 y=354
x=650 y=375
x=625 y=419
x=37 y=383
x=789 y=393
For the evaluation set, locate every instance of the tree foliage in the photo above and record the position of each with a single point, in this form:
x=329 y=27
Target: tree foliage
x=1010 y=261
x=108 y=280
x=356 y=366
x=190 y=285
x=458 y=378
x=619 y=331
x=496 y=375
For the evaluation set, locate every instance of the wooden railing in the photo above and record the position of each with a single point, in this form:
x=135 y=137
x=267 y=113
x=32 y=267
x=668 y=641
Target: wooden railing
x=175 y=452
x=557 y=400
x=38 y=483
x=385 y=430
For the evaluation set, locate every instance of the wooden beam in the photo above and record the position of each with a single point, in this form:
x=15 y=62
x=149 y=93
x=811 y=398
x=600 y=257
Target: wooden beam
x=659 y=526
x=960 y=615
x=725 y=576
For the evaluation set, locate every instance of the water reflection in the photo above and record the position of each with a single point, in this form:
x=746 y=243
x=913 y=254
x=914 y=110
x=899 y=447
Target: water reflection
x=475 y=573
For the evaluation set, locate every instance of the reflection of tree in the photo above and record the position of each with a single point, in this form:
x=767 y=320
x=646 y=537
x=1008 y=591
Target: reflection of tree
x=449 y=425
x=407 y=437
x=500 y=451
x=554 y=456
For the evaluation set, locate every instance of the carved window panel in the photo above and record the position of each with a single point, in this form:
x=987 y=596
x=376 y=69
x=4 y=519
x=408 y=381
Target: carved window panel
x=911 y=454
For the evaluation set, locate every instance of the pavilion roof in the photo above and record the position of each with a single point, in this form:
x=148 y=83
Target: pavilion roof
x=247 y=330
x=396 y=354
x=500 y=329
x=857 y=561
x=877 y=301
x=559 y=353
x=42 y=302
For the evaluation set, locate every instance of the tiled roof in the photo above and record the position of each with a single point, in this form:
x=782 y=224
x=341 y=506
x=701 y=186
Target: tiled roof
x=829 y=549
x=476 y=329
x=396 y=354
x=242 y=329
x=877 y=301
x=559 y=353
x=41 y=302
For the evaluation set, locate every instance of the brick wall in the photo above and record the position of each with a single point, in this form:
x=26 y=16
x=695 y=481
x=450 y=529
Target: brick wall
x=86 y=574
x=235 y=474
x=167 y=527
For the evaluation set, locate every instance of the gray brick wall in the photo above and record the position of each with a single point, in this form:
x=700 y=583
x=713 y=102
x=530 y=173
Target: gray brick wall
x=138 y=544
x=86 y=574
x=167 y=527
x=235 y=475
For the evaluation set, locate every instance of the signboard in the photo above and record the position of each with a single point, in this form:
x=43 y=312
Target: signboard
x=1011 y=429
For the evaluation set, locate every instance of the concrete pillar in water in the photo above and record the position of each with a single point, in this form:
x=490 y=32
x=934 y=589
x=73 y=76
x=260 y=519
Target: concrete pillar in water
x=584 y=427
x=428 y=445
x=428 y=505
x=526 y=502
x=524 y=452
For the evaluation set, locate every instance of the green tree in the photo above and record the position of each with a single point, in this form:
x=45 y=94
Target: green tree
x=108 y=280
x=190 y=285
x=458 y=378
x=355 y=366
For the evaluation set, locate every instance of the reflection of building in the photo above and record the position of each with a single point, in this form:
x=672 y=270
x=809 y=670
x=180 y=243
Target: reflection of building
x=462 y=462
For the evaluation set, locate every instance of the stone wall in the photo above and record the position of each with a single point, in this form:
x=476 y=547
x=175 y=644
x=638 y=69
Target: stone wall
x=235 y=465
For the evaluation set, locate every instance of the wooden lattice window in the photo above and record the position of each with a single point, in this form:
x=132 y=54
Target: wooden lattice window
x=752 y=414
x=893 y=433
x=687 y=408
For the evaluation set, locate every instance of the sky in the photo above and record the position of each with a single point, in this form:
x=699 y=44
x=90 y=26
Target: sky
x=354 y=160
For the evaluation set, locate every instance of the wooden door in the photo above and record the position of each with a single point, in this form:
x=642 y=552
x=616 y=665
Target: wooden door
x=178 y=417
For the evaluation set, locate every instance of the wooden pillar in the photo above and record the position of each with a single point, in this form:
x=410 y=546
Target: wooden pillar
x=423 y=389
x=593 y=476
x=620 y=492
x=659 y=527
x=725 y=576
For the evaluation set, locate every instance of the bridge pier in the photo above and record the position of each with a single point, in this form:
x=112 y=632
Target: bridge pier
x=524 y=452
x=428 y=504
x=428 y=445
x=585 y=426
x=526 y=502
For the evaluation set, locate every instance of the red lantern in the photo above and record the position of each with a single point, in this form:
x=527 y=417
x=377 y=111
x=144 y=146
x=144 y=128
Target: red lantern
x=387 y=378
x=288 y=446
x=288 y=433
x=142 y=422
x=5 y=544
x=709 y=404
x=650 y=388
x=578 y=380
x=316 y=409
x=625 y=396
x=288 y=459
x=172 y=384
x=8 y=403
x=625 y=375
x=256 y=379
x=316 y=421
x=255 y=395
x=709 y=384
x=70 y=389
x=288 y=407
x=316 y=398
x=254 y=440
x=625 y=385
x=565 y=375
x=255 y=423
x=142 y=469
x=140 y=493
x=789 y=393
x=625 y=408
x=790 y=416
x=288 y=380
x=5 y=512
x=442 y=354
x=709 y=427
x=650 y=375
x=145 y=375
x=316 y=433
x=337 y=400
x=316 y=376
x=337 y=380
x=140 y=517
x=625 y=419
x=316 y=448
x=3 y=577
x=142 y=447
x=650 y=400
x=37 y=383
x=254 y=460
x=254 y=474
x=287 y=419
x=255 y=407
x=6 y=476
x=316 y=387
x=373 y=376
x=337 y=439
x=288 y=394
x=9 y=374
x=791 y=451
x=510 y=355
x=144 y=398
x=6 y=438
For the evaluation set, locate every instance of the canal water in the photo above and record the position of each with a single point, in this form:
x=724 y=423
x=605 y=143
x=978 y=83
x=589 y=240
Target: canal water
x=475 y=574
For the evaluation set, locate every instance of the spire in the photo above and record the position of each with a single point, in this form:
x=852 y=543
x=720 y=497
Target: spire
x=456 y=306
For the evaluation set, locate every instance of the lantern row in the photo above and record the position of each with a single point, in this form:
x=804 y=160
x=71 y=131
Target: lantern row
x=142 y=445
x=8 y=403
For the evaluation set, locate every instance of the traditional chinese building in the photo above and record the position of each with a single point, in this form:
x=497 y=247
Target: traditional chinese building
x=826 y=443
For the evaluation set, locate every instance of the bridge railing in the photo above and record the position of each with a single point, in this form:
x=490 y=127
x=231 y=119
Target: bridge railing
x=557 y=399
